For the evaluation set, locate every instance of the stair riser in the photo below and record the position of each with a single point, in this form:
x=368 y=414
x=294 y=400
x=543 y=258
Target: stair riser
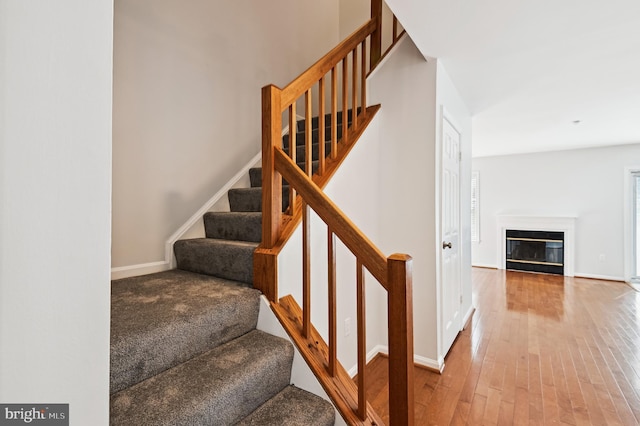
x=315 y=151
x=229 y=261
x=315 y=137
x=227 y=226
x=250 y=200
x=327 y=120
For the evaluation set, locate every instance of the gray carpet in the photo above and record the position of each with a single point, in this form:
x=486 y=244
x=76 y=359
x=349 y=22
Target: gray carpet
x=184 y=348
x=218 y=387
x=292 y=407
x=194 y=312
x=241 y=226
x=232 y=260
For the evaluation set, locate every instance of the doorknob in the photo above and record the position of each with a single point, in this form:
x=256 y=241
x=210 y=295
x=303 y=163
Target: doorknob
x=446 y=245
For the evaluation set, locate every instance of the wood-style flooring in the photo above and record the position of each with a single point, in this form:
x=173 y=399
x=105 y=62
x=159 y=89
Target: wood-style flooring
x=539 y=350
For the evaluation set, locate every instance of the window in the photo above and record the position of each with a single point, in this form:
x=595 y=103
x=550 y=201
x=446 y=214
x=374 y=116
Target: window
x=475 y=207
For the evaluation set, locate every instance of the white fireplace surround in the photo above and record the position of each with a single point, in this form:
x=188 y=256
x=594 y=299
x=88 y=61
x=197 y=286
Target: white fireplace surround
x=566 y=224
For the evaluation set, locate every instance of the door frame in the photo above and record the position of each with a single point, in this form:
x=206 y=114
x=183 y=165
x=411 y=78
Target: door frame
x=446 y=116
x=629 y=223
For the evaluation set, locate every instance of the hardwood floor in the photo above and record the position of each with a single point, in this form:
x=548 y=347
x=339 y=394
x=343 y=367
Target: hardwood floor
x=540 y=349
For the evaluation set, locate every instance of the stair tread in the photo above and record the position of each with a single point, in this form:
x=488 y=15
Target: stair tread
x=234 y=214
x=221 y=386
x=217 y=241
x=292 y=407
x=196 y=312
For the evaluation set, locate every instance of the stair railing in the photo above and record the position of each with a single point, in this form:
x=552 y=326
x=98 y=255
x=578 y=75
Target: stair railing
x=393 y=273
x=347 y=99
x=345 y=89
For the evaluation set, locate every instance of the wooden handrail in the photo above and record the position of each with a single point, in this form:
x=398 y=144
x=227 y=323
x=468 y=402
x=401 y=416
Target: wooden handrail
x=393 y=273
x=349 y=234
x=299 y=86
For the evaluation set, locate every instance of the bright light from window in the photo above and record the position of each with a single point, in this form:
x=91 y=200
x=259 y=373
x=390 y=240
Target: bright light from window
x=475 y=207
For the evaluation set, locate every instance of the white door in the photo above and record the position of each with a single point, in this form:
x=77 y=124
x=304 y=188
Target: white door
x=451 y=320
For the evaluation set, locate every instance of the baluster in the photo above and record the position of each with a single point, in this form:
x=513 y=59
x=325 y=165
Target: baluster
x=362 y=343
x=354 y=89
x=306 y=270
x=376 y=37
x=308 y=129
x=333 y=334
x=293 y=145
x=334 y=113
x=395 y=29
x=400 y=317
x=321 y=126
x=345 y=99
x=363 y=81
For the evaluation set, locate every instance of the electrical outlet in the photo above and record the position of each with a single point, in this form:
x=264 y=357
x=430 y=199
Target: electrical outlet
x=603 y=258
x=347 y=327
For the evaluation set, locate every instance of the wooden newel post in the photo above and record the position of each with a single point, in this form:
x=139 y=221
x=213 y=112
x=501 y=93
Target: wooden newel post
x=376 y=36
x=400 y=305
x=271 y=179
x=265 y=262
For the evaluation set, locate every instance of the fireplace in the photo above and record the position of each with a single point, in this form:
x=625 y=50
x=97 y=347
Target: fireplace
x=535 y=251
x=532 y=251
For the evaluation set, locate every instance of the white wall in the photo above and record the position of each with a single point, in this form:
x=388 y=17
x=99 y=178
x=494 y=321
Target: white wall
x=410 y=121
x=55 y=189
x=586 y=183
x=407 y=177
x=387 y=187
x=187 y=108
x=353 y=14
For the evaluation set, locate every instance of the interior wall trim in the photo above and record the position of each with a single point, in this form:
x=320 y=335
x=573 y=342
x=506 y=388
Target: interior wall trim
x=140 y=269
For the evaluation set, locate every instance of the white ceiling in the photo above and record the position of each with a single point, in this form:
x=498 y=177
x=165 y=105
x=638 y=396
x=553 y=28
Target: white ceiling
x=528 y=69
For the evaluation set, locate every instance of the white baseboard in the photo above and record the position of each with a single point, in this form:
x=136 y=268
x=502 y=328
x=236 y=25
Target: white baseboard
x=370 y=355
x=599 y=277
x=197 y=216
x=417 y=359
x=169 y=261
x=467 y=316
x=484 y=265
x=141 y=269
x=431 y=364
x=576 y=274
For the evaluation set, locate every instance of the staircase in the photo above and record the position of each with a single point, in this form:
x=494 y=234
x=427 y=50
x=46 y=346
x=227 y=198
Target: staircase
x=184 y=345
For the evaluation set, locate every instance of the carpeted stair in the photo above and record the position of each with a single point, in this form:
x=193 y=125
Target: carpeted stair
x=184 y=344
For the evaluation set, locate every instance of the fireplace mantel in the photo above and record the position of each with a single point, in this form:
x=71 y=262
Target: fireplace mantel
x=566 y=224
